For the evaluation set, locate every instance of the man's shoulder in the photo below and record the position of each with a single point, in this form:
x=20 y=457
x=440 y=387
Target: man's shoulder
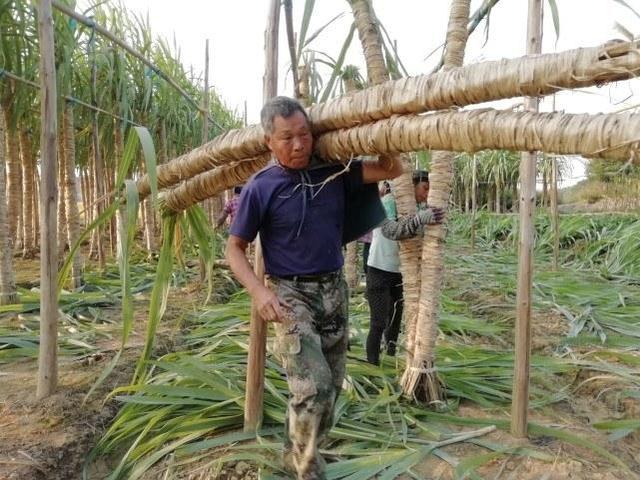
x=263 y=176
x=272 y=169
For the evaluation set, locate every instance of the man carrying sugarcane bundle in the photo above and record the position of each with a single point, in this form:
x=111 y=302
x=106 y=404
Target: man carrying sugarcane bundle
x=304 y=210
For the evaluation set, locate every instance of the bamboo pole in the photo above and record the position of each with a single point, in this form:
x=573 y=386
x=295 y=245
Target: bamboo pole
x=205 y=97
x=205 y=138
x=48 y=357
x=520 y=402
x=253 y=405
x=530 y=75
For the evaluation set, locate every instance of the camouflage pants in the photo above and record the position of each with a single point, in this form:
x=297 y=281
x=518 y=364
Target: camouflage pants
x=313 y=343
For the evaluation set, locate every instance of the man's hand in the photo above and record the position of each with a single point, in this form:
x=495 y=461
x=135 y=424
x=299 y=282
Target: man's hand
x=431 y=216
x=269 y=306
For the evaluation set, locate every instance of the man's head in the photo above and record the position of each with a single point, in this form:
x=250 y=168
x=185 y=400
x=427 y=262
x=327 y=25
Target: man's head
x=287 y=132
x=421 y=185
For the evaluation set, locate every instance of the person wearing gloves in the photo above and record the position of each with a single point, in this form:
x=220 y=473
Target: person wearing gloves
x=384 y=280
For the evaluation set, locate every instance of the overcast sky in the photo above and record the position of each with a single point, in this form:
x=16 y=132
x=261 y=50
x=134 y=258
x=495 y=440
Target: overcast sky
x=235 y=30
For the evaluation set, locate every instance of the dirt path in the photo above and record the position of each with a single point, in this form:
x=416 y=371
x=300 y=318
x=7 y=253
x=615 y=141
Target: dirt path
x=52 y=439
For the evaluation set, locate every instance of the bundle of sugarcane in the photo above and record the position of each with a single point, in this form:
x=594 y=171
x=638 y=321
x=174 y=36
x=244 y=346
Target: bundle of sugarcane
x=383 y=120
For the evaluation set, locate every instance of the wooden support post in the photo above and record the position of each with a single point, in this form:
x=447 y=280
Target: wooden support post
x=254 y=390
x=205 y=135
x=520 y=402
x=474 y=202
x=48 y=357
x=205 y=97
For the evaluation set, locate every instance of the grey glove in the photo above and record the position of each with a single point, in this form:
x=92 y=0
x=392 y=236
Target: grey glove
x=430 y=216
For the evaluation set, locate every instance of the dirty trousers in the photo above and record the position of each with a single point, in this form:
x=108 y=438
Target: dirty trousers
x=312 y=342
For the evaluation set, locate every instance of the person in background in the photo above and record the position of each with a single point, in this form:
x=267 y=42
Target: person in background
x=366 y=246
x=300 y=206
x=384 y=280
x=230 y=207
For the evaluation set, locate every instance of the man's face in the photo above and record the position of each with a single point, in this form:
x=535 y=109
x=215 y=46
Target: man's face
x=291 y=141
x=421 y=192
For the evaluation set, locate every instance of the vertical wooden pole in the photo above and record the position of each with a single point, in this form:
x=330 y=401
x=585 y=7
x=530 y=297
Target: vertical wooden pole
x=205 y=132
x=474 y=202
x=254 y=392
x=48 y=358
x=245 y=114
x=520 y=403
x=205 y=98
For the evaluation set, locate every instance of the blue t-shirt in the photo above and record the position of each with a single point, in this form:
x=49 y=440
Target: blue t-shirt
x=300 y=219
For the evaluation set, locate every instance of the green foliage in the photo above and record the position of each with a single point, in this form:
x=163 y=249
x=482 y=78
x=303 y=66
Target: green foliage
x=158 y=301
x=604 y=243
x=190 y=407
x=87 y=316
x=124 y=86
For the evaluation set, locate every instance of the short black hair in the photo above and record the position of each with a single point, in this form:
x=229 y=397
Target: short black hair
x=237 y=190
x=420 y=176
x=280 y=106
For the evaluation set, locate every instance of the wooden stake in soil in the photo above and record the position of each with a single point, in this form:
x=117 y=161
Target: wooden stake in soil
x=254 y=390
x=520 y=403
x=48 y=358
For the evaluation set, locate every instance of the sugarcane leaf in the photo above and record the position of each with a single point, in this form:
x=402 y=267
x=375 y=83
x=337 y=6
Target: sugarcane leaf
x=315 y=34
x=556 y=17
x=150 y=159
x=306 y=19
x=626 y=4
x=159 y=293
x=338 y=66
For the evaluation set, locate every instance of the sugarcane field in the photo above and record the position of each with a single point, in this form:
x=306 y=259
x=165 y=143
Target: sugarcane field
x=337 y=240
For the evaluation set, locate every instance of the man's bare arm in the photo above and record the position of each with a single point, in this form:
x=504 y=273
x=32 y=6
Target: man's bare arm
x=267 y=303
